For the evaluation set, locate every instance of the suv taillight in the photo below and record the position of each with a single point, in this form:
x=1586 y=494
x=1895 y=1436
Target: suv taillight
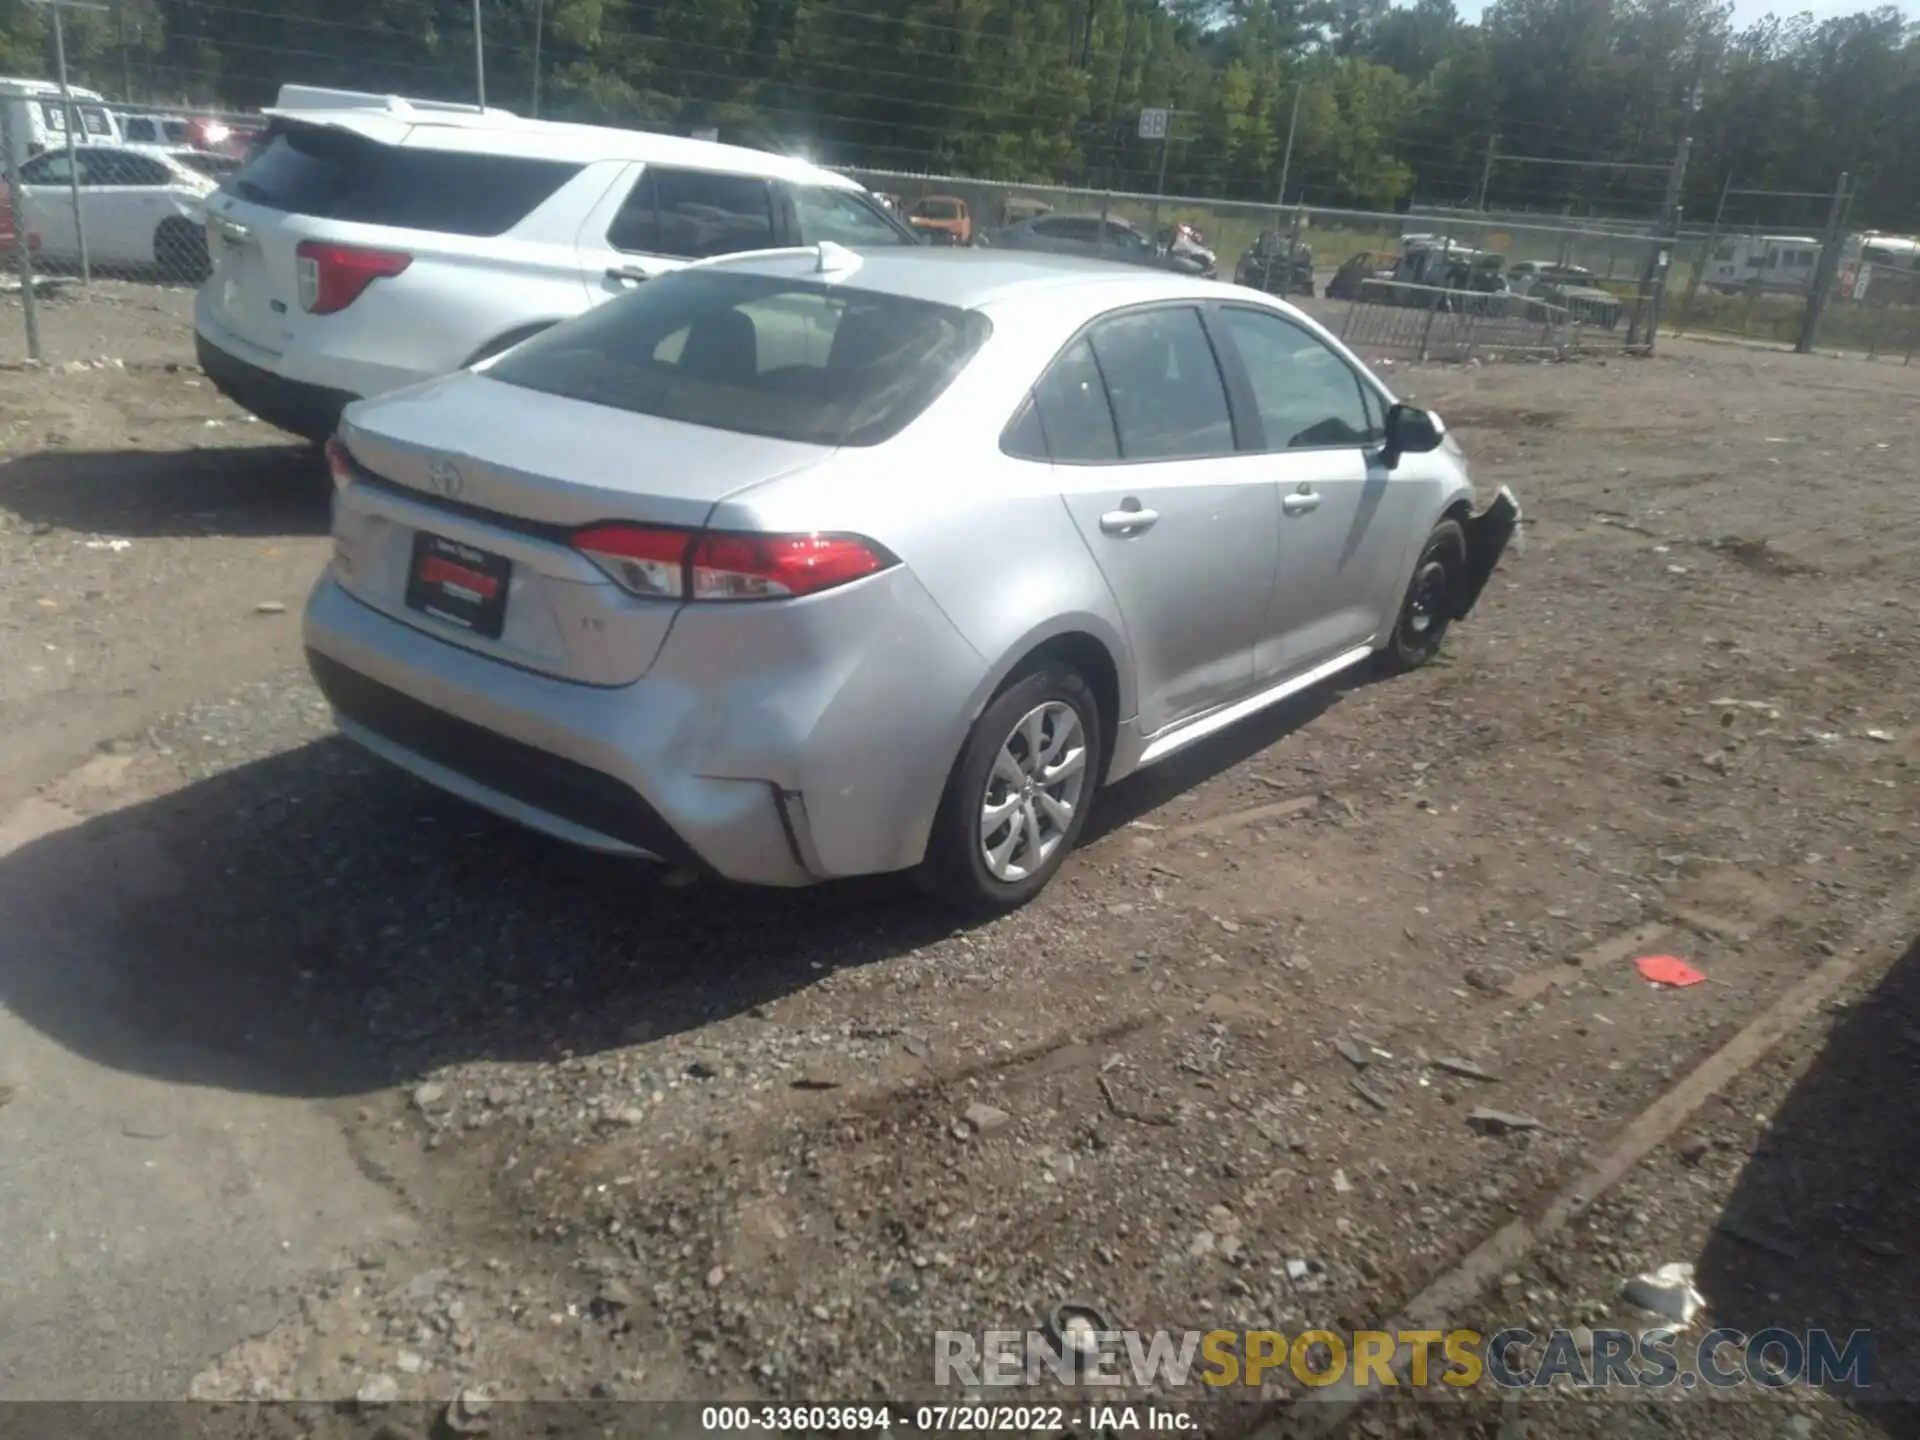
x=708 y=565
x=333 y=276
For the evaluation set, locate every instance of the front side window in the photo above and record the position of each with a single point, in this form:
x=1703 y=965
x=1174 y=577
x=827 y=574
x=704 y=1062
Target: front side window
x=1164 y=384
x=1308 y=397
x=757 y=355
x=694 y=215
x=844 y=217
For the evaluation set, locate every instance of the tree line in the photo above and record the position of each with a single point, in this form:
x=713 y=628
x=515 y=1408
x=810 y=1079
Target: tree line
x=1387 y=104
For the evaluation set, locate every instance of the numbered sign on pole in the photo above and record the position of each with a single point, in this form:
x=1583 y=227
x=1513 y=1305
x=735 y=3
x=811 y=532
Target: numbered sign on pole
x=1153 y=124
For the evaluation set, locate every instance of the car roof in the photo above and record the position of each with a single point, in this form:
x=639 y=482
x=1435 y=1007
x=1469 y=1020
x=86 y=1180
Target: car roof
x=397 y=120
x=969 y=278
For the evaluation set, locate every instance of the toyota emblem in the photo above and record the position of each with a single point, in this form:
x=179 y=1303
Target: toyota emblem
x=445 y=479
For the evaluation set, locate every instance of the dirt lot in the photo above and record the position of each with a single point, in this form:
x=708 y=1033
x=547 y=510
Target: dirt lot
x=700 y=1143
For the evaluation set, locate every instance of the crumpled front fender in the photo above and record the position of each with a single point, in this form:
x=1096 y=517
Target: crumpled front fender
x=1488 y=535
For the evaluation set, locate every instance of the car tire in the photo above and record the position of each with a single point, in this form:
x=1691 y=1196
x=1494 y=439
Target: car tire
x=1420 y=628
x=180 y=251
x=983 y=868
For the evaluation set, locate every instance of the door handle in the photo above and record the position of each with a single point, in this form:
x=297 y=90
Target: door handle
x=1128 y=522
x=1301 y=502
x=625 y=274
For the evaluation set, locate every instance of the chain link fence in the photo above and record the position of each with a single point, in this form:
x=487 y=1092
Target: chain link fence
x=121 y=227
x=1574 y=285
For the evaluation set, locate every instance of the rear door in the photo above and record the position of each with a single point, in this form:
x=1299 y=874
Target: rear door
x=126 y=199
x=669 y=216
x=1183 y=526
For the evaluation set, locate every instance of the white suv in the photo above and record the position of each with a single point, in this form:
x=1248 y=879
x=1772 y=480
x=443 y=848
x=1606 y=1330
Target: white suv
x=371 y=242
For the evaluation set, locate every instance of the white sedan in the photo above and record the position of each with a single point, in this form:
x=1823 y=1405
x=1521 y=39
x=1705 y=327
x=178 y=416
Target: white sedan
x=141 y=209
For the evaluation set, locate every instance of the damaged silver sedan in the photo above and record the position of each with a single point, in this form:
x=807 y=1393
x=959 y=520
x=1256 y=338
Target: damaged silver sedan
x=806 y=564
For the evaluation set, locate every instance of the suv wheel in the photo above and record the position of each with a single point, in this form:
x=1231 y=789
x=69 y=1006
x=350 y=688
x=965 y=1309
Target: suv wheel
x=1018 y=798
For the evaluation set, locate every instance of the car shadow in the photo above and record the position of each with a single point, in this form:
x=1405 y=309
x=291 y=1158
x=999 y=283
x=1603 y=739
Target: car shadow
x=1147 y=790
x=1822 y=1231
x=318 y=924
x=241 y=490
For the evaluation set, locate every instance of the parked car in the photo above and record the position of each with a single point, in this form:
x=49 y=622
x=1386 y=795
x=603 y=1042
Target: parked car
x=1022 y=207
x=165 y=130
x=1434 y=272
x=651 y=582
x=37 y=118
x=373 y=241
x=141 y=208
x=1275 y=264
x=942 y=220
x=1110 y=239
x=1356 y=270
x=1571 y=288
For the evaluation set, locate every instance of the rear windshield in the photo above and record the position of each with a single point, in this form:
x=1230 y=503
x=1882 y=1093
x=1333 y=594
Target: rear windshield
x=756 y=354
x=334 y=175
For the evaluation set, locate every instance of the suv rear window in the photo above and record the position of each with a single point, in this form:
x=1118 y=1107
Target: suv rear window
x=334 y=175
x=756 y=354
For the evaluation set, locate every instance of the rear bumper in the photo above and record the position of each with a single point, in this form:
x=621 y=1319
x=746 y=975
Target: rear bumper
x=304 y=409
x=592 y=808
x=309 y=411
x=812 y=743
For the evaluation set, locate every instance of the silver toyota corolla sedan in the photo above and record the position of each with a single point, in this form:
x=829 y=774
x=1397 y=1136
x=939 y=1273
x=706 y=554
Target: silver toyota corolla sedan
x=805 y=564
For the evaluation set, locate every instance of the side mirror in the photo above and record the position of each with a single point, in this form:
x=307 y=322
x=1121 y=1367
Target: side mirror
x=1410 y=431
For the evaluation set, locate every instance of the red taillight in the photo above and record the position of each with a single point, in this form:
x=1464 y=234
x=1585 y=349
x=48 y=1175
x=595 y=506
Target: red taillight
x=332 y=277
x=699 y=565
x=642 y=561
x=340 y=463
x=772 y=567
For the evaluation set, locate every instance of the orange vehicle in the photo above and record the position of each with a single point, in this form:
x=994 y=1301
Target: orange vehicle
x=942 y=220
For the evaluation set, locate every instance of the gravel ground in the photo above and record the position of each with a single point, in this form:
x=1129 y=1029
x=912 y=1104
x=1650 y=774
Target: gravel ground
x=702 y=1143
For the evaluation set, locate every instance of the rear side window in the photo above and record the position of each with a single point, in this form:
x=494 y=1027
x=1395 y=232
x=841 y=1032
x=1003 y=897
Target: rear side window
x=756 y=354
x=334 y=175
x=1070 y=403
x=695 y=215
x=142 y=131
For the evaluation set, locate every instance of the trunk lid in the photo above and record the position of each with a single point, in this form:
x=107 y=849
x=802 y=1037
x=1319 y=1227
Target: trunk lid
x=551 y=465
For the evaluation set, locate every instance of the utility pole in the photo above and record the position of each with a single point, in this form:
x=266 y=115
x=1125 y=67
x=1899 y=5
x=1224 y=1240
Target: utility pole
x=1293 y=126
x=1824 y=272
x=1166 y=144
x=1660 y=253
x=70 y=117
x=539 y=24
x=479 y=57
x=1486 y=174
x=1280 y=200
